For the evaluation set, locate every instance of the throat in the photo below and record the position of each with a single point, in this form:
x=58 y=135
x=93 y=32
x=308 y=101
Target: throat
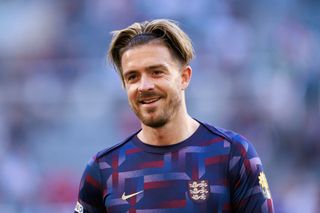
x=168 y=134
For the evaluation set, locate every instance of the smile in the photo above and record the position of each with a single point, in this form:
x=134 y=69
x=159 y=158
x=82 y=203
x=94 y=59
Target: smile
x=149 y=101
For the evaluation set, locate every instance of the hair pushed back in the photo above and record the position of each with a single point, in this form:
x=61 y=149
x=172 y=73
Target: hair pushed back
x=136 y=34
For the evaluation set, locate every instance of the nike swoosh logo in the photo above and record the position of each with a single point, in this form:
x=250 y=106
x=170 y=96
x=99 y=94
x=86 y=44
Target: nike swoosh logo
x=125 y=197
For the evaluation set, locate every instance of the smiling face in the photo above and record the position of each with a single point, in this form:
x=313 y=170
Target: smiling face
x=154 y=82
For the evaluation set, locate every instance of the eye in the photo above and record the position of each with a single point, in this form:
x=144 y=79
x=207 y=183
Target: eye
x=157 y=72
x=131 y=77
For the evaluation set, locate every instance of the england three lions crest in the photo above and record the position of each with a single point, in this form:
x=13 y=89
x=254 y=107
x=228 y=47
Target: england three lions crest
x=199 y=190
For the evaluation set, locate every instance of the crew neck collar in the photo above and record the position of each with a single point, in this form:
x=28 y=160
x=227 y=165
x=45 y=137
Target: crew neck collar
x=168 y=148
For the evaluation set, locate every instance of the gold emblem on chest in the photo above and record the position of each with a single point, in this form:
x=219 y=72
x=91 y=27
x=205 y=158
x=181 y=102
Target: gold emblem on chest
x=199 y=190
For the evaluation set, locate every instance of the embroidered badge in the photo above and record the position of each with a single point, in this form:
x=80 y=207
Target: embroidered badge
x=79 y=208
x=264 y=185
x=199 y=190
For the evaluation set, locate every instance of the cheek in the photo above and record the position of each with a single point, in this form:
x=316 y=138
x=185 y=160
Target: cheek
x=173 y=90
x=177 y=84
x=131 y=98
x=130 y=94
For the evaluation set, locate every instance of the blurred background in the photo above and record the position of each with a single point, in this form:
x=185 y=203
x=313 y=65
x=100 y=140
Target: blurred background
x=256 y=71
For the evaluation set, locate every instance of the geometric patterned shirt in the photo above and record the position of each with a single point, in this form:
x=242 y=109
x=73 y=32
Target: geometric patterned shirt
x=214 y=170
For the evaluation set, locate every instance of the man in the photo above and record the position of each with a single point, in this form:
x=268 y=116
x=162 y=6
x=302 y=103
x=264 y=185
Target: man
x=174 y=163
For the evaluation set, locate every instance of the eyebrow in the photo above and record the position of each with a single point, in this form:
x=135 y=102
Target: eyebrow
x=152 y=67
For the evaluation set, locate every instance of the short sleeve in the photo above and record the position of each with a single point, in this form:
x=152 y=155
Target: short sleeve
x=249 y=187
x=90 y=196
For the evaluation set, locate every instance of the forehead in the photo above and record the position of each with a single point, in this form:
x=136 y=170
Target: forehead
x=147 y=55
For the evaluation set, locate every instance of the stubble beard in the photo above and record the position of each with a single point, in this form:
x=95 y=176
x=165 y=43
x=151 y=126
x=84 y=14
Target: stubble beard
x=160 y=116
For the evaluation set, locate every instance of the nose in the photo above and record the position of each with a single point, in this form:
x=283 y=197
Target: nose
x=146 y=83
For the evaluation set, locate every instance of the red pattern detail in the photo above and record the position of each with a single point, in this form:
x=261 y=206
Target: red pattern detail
x=157 y=184
x=173 y=204
x=115 y=174
x=132 y=151
x=246 y=161
x=247 y=166
x=133 y=201
x=92 y=181
x=151 y=164
x=132 y=210
x=270 y=206
x=195 y=172
x=215 y=140
x=216 y=159
x=226 y=207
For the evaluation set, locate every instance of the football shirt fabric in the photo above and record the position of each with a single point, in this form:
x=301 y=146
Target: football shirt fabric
x=214 y=170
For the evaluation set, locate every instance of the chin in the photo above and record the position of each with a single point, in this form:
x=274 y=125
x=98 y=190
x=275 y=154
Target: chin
x=154 y=123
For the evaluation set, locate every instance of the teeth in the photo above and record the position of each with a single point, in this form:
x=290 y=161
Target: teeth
x=149 y=101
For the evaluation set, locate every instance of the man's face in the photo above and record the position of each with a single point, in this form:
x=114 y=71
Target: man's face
x=153 y=82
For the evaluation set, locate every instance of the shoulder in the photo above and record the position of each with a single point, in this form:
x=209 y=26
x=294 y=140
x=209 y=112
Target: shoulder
x=228 y=135
x=108 y=151
x=237 y=142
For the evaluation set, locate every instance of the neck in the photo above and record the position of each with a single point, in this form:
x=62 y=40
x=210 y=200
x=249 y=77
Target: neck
x=173 y=132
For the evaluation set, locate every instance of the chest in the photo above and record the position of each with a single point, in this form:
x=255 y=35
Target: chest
x=172 y=182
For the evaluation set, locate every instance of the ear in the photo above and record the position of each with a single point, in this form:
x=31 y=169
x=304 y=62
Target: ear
x=185 y=77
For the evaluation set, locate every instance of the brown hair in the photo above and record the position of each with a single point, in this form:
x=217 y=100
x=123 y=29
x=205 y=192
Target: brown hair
x=136 y=34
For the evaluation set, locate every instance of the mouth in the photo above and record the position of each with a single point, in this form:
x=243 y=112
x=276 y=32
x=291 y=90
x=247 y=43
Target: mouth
x=148 y=101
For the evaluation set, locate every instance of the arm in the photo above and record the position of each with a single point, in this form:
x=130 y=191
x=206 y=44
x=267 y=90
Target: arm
x=249 y=187
x=90 y=197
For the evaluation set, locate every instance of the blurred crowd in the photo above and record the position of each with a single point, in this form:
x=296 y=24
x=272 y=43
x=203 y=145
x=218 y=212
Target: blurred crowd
x=256 y=71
